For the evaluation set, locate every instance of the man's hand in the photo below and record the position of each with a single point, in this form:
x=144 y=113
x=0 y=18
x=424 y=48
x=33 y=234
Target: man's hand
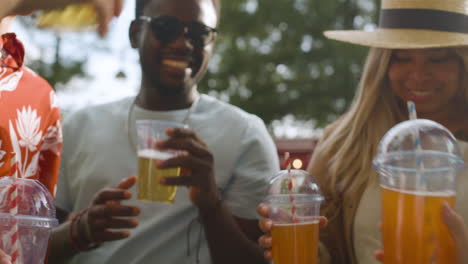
x=106 y=10
x=197 y=165
x=106 y=212
x=266 y=224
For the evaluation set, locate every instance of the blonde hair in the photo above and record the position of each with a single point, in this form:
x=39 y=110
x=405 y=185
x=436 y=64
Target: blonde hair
x=342 y=162
x=463 y=54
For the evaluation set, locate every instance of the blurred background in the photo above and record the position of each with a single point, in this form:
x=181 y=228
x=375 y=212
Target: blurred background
x=271 y=59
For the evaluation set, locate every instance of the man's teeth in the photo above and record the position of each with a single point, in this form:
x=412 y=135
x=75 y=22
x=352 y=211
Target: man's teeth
x=421 y=93
x=175 y=64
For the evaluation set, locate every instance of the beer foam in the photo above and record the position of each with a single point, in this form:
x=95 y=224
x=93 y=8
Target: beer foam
x=296 y=224
x=422 y=193
x=155 y=154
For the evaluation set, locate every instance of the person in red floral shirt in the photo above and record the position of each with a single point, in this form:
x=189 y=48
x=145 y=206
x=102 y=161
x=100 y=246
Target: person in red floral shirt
x=30 y=117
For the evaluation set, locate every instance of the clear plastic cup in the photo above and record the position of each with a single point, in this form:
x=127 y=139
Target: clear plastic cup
x=149 y=188
x=416 y=179
x=34 y=222
x=76 y=17
x=294 y=199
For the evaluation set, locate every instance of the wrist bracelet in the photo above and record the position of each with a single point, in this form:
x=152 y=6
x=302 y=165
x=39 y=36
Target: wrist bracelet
x=72 y=236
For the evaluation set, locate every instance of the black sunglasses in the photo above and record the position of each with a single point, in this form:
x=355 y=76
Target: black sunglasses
x=168 y=28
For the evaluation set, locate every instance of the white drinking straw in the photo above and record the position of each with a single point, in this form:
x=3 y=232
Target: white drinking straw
x=417 y=144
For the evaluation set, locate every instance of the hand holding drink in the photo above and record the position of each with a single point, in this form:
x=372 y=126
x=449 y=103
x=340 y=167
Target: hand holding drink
x=458 y=232
x=149 y=155
x=418 y=162
x=293 y=207
x=197 y=163
x=266 y=225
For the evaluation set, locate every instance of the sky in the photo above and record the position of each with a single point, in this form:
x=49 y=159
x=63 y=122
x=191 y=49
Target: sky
x=105 y=58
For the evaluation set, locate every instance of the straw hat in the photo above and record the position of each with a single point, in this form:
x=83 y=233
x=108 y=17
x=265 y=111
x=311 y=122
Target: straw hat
x=410 y=24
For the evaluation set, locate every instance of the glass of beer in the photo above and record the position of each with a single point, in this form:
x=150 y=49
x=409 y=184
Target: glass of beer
x=74 y=17
x=294 y=199
x=149 y=176
x=416 y=180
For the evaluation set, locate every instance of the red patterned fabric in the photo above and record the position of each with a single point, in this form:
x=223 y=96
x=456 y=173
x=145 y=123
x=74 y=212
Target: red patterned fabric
x=29 y=118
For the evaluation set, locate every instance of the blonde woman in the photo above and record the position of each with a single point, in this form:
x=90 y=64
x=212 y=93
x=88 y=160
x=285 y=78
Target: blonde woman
x=419 y=53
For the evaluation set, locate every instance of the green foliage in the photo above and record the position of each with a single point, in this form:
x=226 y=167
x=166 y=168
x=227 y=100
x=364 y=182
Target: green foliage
x=273 y=59
x=61 y=70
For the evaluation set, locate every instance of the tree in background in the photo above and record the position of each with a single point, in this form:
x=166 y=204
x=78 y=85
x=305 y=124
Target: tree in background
x=273 y=59
x=59 y=70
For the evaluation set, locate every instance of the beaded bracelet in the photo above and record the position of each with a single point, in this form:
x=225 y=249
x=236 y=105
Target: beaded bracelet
x=76 y=219
x=74 y=243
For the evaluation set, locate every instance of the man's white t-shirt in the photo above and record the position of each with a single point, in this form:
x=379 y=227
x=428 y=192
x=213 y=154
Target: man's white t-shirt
x=97 y=153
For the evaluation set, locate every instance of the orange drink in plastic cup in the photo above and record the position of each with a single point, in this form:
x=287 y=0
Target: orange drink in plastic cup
x=294 y=199
x=413 y=228
x=295 y=242
x=415 y=183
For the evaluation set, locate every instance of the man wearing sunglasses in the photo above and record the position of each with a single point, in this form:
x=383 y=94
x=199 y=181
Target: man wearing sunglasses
x=229 y=155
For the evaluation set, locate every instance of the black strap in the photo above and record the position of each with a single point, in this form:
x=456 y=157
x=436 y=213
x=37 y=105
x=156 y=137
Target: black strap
x=424 y=19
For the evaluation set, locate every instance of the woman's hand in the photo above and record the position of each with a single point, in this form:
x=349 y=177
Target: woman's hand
x=266 y=224
x=458 y=231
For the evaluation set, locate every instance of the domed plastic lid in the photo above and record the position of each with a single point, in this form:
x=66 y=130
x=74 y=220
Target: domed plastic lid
x=294 y=183
x=36 y=206
x=436 y=149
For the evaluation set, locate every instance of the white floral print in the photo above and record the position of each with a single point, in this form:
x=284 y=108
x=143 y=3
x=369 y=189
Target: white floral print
x=53 y=139
x=53 y=100
x=2 y=154
x=28 y=125
x=10 y=82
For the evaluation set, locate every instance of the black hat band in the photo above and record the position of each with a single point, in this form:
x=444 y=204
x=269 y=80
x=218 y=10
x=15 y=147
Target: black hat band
x=424 y=19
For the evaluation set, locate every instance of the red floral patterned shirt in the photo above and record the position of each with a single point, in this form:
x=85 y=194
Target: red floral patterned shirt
x=29 y=118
